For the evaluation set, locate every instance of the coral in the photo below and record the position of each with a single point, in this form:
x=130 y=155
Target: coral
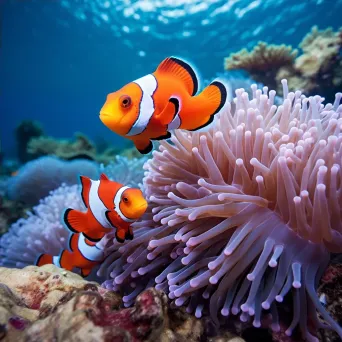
x=38 y=177
x=42 y=231
x=48 y=303
x=263 y=62
x=317 y=70
x=80 y=148
x=24 y=132
x=330 y=292
x=242 y=215
x=125 y=171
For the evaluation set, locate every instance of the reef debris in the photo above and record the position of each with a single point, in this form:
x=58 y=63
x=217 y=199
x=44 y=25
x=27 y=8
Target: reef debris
x=317 y=70
x=48 y=303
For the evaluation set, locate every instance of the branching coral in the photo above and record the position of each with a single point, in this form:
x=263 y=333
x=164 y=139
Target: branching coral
x=263 y=62
x=38 y=177
x=242 y=215
x=317 y=70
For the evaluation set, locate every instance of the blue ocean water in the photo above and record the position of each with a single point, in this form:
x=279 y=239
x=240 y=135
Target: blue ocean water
x=59 y=59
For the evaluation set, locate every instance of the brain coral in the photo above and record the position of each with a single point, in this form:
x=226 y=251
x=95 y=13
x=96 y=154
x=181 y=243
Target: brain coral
x=243 y=214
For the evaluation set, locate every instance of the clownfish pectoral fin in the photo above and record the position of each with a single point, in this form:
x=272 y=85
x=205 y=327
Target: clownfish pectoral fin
x=129 y=235
x=76 y=221
x=168 y=113
x=208 y=104
x=143 y=146
x=120 y=235
x=85 y=272
x=86 y=183
x=104 y=177
x=182 y=70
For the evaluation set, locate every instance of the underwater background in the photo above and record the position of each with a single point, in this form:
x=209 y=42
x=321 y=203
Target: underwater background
x=59 y=59
x=228 y=234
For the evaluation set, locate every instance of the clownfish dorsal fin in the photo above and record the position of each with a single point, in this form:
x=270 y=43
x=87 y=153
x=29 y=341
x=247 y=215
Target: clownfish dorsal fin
x=182 y=70
x=103 y=177
x=86 y=184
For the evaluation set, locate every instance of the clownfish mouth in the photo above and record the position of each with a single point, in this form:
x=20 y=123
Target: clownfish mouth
x=104 y=114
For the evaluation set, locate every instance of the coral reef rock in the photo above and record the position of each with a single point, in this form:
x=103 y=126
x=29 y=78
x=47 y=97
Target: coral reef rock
x=50 y=304
x=317 y=70
x=330 y=292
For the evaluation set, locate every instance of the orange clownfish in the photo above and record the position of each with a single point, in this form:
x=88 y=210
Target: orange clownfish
x=110 y=205
x=152 y=106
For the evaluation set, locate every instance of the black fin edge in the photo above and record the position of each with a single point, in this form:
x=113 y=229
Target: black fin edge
x=38 y=259
x=65 y=218
x=191 y=72
x=223 y=92
x=84 y=202
x=163 y=137
x=146 y=150
x=119 y=239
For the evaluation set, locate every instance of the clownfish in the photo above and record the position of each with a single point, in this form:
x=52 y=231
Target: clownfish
x=110 y=205
x=152 y=106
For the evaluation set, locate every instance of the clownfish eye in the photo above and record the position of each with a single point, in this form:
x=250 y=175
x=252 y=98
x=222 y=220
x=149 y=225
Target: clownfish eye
x=125 y=101
x=125 y=199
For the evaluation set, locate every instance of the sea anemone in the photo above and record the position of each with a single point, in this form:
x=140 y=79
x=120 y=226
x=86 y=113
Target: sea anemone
x=243 y=214
x=42 y=231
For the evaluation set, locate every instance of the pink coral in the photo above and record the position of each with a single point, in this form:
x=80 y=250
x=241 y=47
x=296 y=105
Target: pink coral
x=243 y=214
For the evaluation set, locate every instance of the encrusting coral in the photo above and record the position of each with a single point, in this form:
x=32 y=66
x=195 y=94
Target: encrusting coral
x=317 y=70
x=241 y=215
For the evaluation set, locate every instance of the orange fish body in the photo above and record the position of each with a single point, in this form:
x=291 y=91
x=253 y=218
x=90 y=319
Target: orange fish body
x=152 y=106
x=110 y=205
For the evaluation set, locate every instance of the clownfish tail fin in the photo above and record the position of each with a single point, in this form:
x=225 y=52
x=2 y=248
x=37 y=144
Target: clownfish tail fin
x=209 y=102
x=85 y=272
x=44 y=259
x=76 y=221
x=182 y=70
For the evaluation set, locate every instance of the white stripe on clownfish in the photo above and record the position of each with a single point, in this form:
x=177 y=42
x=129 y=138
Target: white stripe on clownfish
x=117 y=200
x=91 y=253
x=148 y=85
x=176 y=122
x=56 y=260
x=96 y=206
